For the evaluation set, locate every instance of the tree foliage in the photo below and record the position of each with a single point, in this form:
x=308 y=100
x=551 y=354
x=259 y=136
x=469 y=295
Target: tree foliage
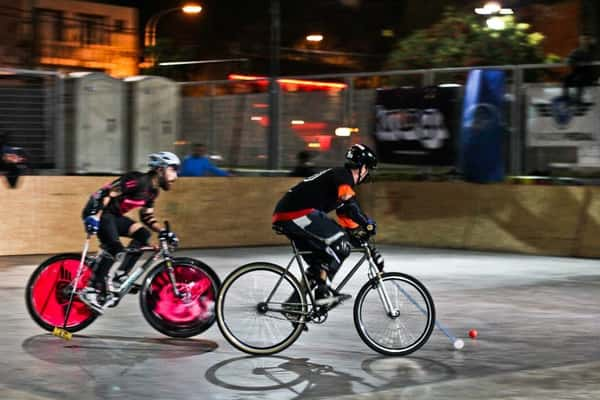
x=465 y=40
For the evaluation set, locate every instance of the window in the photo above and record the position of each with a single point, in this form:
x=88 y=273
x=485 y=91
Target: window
x=50 y=24
x=92 y=29
x=119 y=25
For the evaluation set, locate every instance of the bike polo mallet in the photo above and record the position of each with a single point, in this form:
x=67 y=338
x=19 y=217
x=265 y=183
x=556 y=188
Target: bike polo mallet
x=62 y=332
x=456 y=342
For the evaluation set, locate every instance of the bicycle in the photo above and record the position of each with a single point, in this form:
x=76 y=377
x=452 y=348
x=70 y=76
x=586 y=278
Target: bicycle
x=176 y=296
x=255 y=315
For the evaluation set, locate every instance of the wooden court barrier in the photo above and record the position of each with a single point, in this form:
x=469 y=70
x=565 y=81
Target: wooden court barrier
x=43 y=215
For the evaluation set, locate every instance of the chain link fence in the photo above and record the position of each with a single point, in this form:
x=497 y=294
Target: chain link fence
x=231 y=118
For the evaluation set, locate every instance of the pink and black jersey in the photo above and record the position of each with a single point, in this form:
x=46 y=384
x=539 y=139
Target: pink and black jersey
x=134 y=190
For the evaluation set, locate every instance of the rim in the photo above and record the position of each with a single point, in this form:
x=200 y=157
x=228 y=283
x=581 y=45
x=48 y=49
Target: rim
x=253 y=330
x=394 y=334
x=51 y=290
x=197 y=304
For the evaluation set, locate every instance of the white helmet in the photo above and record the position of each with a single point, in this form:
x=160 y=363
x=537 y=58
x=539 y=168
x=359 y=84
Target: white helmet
x=163 y=159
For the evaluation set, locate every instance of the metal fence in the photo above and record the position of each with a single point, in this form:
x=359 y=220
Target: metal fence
x=232 y=117
x=31 y=114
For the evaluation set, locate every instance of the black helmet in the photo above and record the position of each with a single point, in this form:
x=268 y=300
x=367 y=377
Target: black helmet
x=359 y=155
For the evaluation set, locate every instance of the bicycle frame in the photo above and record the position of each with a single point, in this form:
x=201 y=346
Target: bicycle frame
x=162 y=253
x=373 y=272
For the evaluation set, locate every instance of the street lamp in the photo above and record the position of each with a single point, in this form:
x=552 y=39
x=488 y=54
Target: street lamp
x=495 y=13
x=314 y=38
x=493 y=8
x=150 y=28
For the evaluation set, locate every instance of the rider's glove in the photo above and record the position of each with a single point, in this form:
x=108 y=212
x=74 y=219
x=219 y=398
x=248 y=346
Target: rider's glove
x=377 y=257
x=169 y=236
x=91 y=224
x=371 y=227
x=358 y=236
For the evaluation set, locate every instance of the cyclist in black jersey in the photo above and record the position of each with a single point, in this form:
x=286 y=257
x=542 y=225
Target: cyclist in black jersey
x=302 y=216
x=104 y=215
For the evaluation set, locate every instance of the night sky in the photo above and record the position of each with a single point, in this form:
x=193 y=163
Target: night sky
x=240 y=28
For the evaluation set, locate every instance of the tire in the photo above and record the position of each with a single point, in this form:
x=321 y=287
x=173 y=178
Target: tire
x=416 y=307
x=239 y=330
x=180 y=317
x=47 y=294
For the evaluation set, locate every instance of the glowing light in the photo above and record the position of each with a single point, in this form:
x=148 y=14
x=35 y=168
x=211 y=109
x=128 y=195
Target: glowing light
x=192 y=8
x=345 y=131
x=299 y=82
x=314 y=38
x=254 y=118
x=491 y=7
x=314 y=145
x=297 y=122
x=507 y=11
x=496 y=23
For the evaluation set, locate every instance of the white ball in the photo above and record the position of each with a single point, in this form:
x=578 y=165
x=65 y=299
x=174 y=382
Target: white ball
x=459 y=344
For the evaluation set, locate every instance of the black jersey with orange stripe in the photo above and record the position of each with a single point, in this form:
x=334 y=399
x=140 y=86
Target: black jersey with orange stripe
x=133 y=189
x=323 y=191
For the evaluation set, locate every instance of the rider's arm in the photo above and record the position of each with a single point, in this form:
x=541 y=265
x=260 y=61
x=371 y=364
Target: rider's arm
x=349 y=212
x=99 y=200
x=148 y=219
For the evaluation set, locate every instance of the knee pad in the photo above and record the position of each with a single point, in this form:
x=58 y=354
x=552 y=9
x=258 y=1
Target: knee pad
x=339 y=251
x=140 y=237
x=342 y=248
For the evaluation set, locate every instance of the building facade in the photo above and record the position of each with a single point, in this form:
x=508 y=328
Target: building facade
x=70 y=35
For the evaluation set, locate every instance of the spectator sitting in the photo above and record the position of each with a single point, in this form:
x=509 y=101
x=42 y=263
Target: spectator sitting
x=12 y=161
x=304 y=168
x=581 y=75
x=198 y=164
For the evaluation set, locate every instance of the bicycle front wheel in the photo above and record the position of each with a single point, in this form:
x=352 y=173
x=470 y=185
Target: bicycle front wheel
x=187 y=314
x=410 y=321
x=261 y=308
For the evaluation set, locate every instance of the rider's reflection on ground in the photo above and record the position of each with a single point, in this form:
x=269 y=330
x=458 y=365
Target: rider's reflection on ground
x=300 y=377
x=104 y=366
x=406 y=371
x=101 y=350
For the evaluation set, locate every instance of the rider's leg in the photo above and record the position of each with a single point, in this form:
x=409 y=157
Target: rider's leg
x=140 y=237
x=95 y=294
x=327 y=239
x=108 y=234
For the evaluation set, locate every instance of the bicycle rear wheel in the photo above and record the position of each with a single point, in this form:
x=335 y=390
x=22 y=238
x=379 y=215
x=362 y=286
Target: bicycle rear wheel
x=390 y=334
x=49 y=289
x=251 y=323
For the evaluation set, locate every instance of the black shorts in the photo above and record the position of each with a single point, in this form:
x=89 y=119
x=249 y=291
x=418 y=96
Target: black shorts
x=111 y=228
x=318 y=233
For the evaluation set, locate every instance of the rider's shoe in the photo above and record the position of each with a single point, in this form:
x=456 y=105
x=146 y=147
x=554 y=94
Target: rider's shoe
x=94 y=299
x=326 y=296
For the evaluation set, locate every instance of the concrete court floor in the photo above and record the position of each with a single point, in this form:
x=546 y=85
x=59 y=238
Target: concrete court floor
x=538 y=321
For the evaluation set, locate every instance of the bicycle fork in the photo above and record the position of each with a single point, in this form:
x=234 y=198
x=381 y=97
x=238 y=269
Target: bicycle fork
x=374 y=273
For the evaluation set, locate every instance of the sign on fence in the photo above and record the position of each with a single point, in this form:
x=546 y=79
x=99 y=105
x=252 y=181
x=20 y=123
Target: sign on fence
x=417 y=125
x=554 y=120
